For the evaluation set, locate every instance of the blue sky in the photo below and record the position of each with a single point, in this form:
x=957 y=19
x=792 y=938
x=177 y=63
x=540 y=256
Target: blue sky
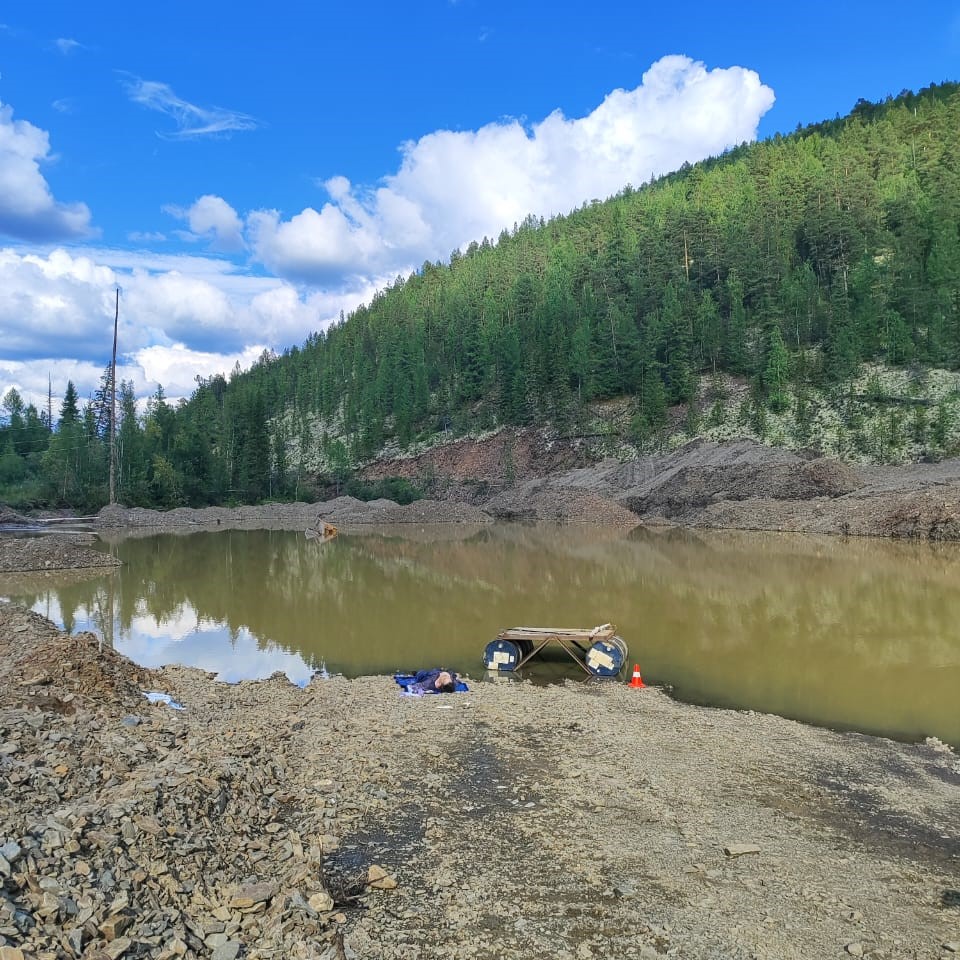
x=244 y=172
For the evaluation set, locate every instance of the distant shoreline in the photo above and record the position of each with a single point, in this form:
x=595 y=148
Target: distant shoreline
x=739 y=485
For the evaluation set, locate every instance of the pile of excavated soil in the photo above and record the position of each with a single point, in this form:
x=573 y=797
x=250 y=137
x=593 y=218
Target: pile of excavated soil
x=38 y=659
x=575 y=821
x=298 y=514
x=131 y=830
x=691 y=488
x=420 y=511
x=52 y=552
x=676 y=485
x=540 y=500
x=9 y=517
x=294 y=515
x=928 y=515
x=740 y=484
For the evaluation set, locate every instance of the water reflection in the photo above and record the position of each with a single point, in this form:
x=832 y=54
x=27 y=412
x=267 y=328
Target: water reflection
x=859 y=634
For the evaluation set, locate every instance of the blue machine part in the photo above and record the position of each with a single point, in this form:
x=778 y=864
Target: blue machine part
x=606 y=658
x=502 y=655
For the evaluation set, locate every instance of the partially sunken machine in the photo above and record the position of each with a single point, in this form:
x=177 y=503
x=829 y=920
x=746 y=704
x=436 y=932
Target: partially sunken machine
x=597 y=650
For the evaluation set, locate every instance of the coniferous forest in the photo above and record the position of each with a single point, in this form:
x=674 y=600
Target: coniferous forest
x=786 y=266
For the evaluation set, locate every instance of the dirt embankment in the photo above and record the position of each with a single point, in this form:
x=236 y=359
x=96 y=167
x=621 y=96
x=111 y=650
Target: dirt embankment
x=577 y=821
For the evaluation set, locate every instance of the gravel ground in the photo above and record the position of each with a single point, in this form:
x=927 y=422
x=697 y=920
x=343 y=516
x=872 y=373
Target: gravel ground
x=344 y=820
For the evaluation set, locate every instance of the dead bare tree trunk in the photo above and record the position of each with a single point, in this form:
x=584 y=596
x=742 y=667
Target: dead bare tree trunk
x=113 y=406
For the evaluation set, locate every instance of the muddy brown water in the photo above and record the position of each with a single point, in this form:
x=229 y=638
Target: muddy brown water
x=851 y=634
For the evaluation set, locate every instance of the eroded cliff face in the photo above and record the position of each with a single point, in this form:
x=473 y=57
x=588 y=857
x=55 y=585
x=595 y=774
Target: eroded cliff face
x=494 y=462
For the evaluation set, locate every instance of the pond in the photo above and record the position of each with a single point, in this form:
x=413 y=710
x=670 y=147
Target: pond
x=851 y=634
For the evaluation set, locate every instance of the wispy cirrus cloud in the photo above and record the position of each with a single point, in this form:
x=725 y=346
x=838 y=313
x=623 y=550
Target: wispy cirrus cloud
x=146 y=236
x=67 y=45
x=191 y=120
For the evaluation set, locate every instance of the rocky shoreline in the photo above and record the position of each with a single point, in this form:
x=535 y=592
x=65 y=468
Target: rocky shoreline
x=344 y=820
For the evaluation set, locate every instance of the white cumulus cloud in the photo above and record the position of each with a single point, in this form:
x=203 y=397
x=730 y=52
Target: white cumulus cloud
x=454 y=187
x=176 y=367
x=28 y=209
x=187 y=316
x=180 y=317
x=213 y=219
x=55 y=299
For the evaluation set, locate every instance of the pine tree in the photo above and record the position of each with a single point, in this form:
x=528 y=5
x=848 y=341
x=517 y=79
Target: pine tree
x=777 y=374
x=64 y=457
x=677 y=368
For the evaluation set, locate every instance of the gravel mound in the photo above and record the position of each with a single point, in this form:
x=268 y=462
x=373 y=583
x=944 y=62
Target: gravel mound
x=539 y=500
x=38 y=659
x=932 y=515
x=339 y=505
x=420 y=511
x=52 y=552
x=691 y=488
x=341 y=510
x=131 y=830
x=740 y=484
x=10 y=518
x=293 y=513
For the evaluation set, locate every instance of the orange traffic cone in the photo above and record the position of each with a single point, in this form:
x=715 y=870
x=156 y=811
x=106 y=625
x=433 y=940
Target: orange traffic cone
x=637 y=680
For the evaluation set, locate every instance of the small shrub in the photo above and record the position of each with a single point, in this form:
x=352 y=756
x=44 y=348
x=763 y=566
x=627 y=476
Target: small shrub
x=399 y=489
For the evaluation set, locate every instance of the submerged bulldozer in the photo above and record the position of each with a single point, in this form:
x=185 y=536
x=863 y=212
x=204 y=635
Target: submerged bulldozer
x=323 y=532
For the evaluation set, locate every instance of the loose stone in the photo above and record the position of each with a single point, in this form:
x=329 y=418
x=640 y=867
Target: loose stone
x=321 y=902
x=227 y=951
x=252 y=895
x=740 y=849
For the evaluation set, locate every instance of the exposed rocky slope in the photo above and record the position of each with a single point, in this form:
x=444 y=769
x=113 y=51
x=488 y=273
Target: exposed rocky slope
x=740 y=484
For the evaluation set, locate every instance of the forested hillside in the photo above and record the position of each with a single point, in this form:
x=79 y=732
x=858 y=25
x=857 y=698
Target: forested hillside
x=783 y=266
